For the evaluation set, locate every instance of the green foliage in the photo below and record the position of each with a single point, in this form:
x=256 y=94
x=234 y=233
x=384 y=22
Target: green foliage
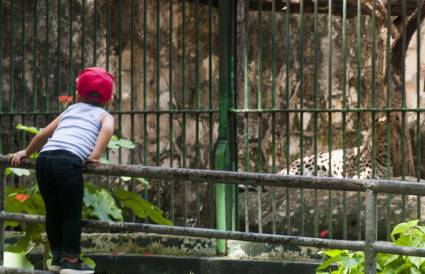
x=404 y=234
x=17 y=260
x=32 y=130
x=88 y=261
x=17 y=171
x=140 y=207
x=100 y=204
x=116 y=143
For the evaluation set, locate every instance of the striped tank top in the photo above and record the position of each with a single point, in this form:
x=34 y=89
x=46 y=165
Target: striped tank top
x=77 y=131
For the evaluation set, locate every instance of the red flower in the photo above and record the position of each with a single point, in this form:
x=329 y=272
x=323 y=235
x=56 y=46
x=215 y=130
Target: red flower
x=21 y=197
x=323 y=234
x=65 y=100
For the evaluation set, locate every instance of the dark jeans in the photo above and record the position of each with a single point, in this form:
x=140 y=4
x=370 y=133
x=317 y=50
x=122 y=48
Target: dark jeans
x=60 y=180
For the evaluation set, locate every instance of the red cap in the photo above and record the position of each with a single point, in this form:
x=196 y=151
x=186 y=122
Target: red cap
x=95 y=84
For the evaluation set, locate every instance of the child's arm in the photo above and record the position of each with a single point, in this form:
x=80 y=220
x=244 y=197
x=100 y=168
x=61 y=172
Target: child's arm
x=105 y=134
x=36 y=143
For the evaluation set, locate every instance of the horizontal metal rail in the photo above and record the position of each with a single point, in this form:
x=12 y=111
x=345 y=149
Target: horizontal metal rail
x=384 y=247
x=247 y=178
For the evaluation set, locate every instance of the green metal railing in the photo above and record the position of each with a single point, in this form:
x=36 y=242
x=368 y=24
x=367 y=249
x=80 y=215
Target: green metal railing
x=230 y=85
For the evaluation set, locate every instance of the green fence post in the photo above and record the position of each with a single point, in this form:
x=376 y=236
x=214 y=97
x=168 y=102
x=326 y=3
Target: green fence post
x=225 y=150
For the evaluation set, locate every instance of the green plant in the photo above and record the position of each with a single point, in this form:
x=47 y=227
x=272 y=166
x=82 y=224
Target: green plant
x=404 y=234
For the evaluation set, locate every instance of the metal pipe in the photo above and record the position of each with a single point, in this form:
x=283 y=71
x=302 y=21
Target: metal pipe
x=370 y=232
x=247 y=178
x=200 y=232
x=382 y=247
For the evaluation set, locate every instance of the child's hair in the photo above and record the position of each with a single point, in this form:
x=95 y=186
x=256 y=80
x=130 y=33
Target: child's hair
x=95 y=85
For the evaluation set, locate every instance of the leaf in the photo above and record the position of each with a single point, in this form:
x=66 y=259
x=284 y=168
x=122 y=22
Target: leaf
x=17 y=171
x=113 y=142
x=17 y=260
x=386 y=259
x=101 y=204
x=88 y=261
x=126 y=143
x=349 y=262
x=416 y=261
x=403 y=227
x=332 y=252
x=32 y=130
x=140 y=207
x=414 y=271
x=116 y=143
x=21 y=246
x=328 y=263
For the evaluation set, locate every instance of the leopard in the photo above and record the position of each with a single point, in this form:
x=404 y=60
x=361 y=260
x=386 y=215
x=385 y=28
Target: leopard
x=362 y=155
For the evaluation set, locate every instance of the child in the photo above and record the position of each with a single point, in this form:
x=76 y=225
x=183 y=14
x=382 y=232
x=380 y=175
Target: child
x=80 y=134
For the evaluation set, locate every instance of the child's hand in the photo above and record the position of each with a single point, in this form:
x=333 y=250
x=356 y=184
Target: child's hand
x=92 y=160
x=18 y=156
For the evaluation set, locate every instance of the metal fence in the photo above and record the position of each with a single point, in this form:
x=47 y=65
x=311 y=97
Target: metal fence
x=237 y=85
x=371 y=187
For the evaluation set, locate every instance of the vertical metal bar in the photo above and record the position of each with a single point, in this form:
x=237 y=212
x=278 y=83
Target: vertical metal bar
x=12 y=75
x=58 y=80
x=370 y=232
x=287 y=88
x=359 y=101
x=157 y=78
x=83 y=32
x=46 y=58
x=418 y=105
x=210 y=114
x=120 y=43
x=315 y=114
x=71 y=89
x=273 y=113
x=108 y=32
x=145 y=103
x=2 y=208
x=246 y=106
x=344 y=114
x=11 y=58
x=301 y=75
x=132 y=87
x=403 y=113
x=388 y=161
x=170 y=103
x=35 y=104
x=95 y=26
x=225 y=150
x=260 y=107
x=183 y=11
x=21 y=104
x=373 y=89
x=197 y=102
x=330 y=137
